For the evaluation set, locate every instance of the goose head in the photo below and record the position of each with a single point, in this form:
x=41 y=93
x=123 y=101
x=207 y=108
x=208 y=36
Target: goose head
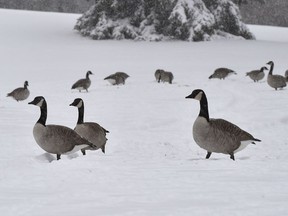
x=78 y=102
x=38 y=101
x=231 y=72
x=263 y=68
x=89 y=73
x=196 y=94
x=199 y=94
x=26 y=84
x=270 y=63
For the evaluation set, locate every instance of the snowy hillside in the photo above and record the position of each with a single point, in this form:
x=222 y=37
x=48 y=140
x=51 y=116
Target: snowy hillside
x=152 y=165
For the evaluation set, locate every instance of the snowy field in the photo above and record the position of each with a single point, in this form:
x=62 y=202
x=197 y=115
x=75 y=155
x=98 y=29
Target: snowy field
x=152 y=165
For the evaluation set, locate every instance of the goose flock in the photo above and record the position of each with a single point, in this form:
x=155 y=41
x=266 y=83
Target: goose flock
x=273 y=80
x=212 y=135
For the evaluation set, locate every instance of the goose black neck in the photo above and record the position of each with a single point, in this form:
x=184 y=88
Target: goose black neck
x=204 y=107
x=87 y=76
x=271 y=68
x=80 y=114
x=43 y=116
x=25 y=86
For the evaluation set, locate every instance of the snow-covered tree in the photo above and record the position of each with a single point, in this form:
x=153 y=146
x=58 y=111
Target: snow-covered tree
x=191 y=20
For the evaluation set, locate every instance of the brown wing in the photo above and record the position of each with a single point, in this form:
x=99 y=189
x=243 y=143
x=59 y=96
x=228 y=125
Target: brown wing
x=228 y=135
x=66 y=135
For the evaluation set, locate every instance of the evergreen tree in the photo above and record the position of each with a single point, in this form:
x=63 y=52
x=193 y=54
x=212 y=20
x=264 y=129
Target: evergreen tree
x=191 y=20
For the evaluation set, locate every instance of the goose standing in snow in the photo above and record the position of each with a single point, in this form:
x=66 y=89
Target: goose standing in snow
x=20 y=94
x=275 y=81
x=117 y=78
x=257 y=75
x=222 y=73
x=83 y=84
x=89 y=130
x=56 y=139
x=217 y=135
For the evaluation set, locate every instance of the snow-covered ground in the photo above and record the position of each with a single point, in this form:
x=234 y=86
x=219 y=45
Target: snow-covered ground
x=152 y=165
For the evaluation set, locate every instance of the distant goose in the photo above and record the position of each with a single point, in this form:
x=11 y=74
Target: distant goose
x=20 y=94
x=83 y=84
x=89 y=130
x=56 y=139
x=275 y=81
x=164 y=76
x=217 y=135
x=222 y=73
x=257 y=75
x=117 y=78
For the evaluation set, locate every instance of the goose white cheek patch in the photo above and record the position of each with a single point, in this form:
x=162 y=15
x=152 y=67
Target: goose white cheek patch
x=199 y=96
x=80 y=104
x=40 y=103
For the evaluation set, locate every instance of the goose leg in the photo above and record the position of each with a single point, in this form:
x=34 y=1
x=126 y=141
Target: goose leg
x=58 y=156
x=103 y=149
x=208 y=155
x=83 y=151
x=232 y=156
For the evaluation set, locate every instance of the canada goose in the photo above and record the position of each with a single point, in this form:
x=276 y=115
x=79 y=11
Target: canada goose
x=257 y=75
x=275 y=81
x=20 y=94
x=117 y=78
x=222 y=73
x=217 y=135
x=83 y=83
x=89 y=130
x=56 y=139
x=164 y=76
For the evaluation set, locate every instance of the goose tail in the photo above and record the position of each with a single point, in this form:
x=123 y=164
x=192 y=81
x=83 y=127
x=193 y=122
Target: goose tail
x=256 y=140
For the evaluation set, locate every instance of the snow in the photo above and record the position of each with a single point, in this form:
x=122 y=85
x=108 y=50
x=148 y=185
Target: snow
x=152 y=165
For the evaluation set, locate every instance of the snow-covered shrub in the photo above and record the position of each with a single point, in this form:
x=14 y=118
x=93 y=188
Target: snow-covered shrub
x=227 y=18
x=190 y=20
